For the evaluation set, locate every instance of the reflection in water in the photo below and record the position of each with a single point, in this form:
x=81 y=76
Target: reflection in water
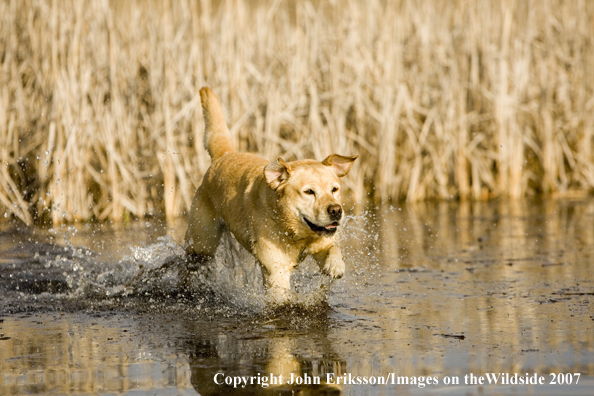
x=514 y=278
x=435 y=289
x=82 y=354
x=279 y=350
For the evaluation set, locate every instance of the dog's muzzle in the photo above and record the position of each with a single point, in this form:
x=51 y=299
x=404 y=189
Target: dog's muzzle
x=327 y=230
x=335 y=212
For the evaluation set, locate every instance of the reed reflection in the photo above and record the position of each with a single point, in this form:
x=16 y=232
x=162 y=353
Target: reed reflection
x=513 y=278
x=438 y=288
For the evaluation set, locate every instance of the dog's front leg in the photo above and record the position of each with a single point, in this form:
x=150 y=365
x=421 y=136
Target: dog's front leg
x=277 y=264
x=330 y=261
x=277 y=281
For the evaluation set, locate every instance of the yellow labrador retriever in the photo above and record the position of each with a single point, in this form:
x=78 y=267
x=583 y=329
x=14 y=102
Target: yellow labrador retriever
x=279 y=211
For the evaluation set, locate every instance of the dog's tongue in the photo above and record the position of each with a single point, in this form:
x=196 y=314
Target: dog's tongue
x=331 y=226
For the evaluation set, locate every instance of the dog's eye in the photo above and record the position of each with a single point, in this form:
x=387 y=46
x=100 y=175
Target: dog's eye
x=334 y=190
x=310 y=192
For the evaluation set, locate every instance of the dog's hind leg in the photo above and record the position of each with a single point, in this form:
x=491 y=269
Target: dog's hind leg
x=202 y=238
x=205 y=229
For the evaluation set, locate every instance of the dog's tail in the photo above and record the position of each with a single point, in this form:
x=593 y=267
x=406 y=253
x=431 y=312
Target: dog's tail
x=217 y=140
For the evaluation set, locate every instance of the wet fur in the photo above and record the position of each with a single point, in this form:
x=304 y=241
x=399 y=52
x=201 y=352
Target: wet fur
x=268 y=206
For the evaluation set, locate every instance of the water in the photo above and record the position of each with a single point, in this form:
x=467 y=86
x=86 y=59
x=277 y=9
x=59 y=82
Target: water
x=433 y=292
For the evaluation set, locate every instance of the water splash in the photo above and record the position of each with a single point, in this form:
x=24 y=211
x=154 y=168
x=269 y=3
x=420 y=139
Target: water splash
x=154 y=276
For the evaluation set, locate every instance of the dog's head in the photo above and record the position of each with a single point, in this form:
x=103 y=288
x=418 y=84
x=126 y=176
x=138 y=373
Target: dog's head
x=309 y=193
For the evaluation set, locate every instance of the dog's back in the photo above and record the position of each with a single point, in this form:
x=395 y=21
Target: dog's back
x=230 y=188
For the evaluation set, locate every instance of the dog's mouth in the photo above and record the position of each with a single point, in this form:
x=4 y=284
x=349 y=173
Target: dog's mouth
x=329 y=229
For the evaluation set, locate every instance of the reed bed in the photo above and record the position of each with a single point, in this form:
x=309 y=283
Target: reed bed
x=441 y=99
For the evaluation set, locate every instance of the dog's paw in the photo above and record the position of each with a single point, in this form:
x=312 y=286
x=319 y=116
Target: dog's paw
x=334 y=267
x=278 y=296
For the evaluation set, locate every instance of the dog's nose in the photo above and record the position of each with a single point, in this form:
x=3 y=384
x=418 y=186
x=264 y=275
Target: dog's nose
x=335 y=212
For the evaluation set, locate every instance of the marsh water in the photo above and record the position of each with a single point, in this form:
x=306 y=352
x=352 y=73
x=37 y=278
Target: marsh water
x=434 y=293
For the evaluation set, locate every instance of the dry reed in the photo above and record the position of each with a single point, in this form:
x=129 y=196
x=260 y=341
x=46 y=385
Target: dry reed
x=446 y=99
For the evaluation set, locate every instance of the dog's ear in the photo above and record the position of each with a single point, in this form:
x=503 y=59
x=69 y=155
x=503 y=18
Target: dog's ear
x=340 y=164
x=276 y=173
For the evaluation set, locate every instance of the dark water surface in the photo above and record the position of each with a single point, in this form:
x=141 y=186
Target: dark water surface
x=433 y=292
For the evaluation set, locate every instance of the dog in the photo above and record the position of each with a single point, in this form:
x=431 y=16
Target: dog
x=279 y=211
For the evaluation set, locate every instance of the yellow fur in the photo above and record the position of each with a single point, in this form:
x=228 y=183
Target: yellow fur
x=266 y=205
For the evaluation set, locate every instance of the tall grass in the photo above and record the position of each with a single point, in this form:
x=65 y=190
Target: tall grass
x=99 y=114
